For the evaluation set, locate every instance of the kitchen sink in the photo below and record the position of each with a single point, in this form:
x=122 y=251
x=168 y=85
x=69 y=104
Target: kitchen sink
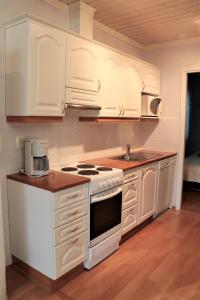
x=137 y=156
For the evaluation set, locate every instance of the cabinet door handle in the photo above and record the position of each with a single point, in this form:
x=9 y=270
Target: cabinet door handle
x=99 y=85
x=143 y=85
x=73 y=213
x=73 y=230
x=63 y=107
x=122 y=111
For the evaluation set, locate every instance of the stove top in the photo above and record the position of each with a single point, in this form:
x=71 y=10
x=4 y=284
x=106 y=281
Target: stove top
x=101 y=178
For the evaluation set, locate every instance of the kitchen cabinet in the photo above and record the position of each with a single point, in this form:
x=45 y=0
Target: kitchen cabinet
x=130 y=85
x=165 y=184
x=82 y=80
x=109 y=94
x=49 y=231
x=150 y=80
x=148 y=191
x=35 y=69
x=130 y=200
x=120 y=93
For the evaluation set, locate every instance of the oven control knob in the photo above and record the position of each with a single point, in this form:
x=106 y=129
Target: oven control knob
x=104 y=184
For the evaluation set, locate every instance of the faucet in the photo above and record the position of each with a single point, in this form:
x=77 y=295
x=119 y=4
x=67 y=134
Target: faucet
x=128 y=151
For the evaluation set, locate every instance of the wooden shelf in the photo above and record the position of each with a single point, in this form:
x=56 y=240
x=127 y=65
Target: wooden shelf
x=34 y=119
x=116 y=120
x=108 y=120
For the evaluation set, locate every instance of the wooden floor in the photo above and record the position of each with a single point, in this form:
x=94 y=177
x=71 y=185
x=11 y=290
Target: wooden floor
x=160 y=262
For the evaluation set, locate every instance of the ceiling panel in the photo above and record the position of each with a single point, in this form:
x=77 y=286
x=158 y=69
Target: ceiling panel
x=149 y=22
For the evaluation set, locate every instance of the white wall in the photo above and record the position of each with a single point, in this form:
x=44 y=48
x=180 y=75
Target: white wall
x=172 y=60
x=70 y=140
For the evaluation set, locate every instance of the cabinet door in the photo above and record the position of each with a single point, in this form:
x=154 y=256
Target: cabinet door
x=81 y=64
x=46 y=70
x=70 y=254
x=108 y=96
x=129 y=218
x=130 y=194
x=170 y=187
x=131 y=90
x=151 y=80
x=148 y=191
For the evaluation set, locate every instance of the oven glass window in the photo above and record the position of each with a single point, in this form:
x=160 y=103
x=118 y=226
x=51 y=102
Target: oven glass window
x=105 y=215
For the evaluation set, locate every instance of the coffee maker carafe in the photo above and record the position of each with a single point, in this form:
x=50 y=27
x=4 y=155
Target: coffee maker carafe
x=36 y=160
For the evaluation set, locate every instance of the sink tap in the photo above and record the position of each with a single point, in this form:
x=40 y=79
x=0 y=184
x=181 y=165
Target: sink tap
x=128 y=151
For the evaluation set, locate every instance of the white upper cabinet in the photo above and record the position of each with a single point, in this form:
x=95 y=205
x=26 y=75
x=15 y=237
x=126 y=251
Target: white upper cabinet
x=82 y=79
x=35 y=70
x=130 y=83
x=150 y=80
x=109 y=93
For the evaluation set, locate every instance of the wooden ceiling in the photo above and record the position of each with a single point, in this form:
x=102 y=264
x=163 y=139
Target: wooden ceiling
x=149 y=21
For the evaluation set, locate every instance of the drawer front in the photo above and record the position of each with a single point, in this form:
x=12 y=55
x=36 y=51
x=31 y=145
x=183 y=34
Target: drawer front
x=69 y=197
x=70 y=230
x=70 y=254
x=130 y=194
x=66 y=215
x=131 y=175
x=129 y=218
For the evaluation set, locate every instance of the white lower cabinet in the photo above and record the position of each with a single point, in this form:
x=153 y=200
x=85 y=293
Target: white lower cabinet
x=148 y=191
x=49 y=231
x=130 y=200
x=70 y=254
x=129 y=218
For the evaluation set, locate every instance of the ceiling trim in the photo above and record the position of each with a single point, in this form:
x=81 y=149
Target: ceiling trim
x=172 y=43
x=117 y=34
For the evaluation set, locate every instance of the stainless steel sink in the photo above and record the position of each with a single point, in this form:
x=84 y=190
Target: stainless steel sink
x=137 y=156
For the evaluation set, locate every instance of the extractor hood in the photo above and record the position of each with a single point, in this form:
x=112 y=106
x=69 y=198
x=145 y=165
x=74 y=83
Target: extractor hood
x=73 y=106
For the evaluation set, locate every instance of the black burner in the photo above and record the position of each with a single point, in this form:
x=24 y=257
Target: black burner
x=69 y=169
x=85 y=166
x=88 y=172
x=104 y=169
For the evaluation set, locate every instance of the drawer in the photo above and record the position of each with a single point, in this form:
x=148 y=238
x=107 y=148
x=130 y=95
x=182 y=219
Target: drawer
x=70 y=254
x=129 y=218
x=66 y=215
x=130 y=194
x=68 y=231
x=131 y=175
x=68 y=197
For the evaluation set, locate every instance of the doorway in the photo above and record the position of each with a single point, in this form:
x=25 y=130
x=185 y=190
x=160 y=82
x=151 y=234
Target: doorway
x=191 y=163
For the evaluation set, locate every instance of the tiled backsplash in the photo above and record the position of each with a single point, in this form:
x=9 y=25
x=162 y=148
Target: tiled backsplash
x=72 y=140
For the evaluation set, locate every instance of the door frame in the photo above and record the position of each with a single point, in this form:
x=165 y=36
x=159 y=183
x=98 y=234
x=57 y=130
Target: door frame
x=181 y=147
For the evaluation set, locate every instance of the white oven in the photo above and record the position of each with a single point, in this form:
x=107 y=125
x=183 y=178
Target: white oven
x=105 y=214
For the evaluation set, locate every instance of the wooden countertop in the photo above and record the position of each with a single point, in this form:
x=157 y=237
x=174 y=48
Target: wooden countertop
x=53 y=182
x=127 y=165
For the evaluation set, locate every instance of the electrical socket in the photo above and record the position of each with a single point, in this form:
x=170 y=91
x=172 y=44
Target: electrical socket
x=19 y=142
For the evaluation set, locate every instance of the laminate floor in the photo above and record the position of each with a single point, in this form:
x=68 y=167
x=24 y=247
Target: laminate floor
x=191 y=200
x=161 y=262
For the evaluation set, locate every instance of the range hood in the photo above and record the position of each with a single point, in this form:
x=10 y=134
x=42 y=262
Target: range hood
x=73 y=106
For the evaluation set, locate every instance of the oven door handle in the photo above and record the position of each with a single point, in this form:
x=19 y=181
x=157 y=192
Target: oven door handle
x=96 y=198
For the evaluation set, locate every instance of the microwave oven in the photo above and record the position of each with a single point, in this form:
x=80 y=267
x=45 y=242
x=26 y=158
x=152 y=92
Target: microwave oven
x=151 y=106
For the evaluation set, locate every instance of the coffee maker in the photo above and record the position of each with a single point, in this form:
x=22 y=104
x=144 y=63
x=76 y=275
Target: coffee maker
x=36 y=160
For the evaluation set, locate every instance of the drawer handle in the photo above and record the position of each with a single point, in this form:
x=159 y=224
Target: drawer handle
x=73 y=196
x=73 y=230
x=73 y=213
x=73 y=242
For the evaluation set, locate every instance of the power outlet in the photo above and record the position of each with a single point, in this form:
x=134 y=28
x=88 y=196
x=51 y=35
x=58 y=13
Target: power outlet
x=19 y=142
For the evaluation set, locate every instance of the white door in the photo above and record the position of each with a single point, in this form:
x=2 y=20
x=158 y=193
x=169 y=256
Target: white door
x=81 y=64
x=148 y=191
x=131 y=90
x=130 y=194
x=109 y=94
x=46 y=70
x=151 y=80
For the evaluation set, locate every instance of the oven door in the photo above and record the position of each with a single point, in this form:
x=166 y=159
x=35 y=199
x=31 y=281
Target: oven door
x=105 y=214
